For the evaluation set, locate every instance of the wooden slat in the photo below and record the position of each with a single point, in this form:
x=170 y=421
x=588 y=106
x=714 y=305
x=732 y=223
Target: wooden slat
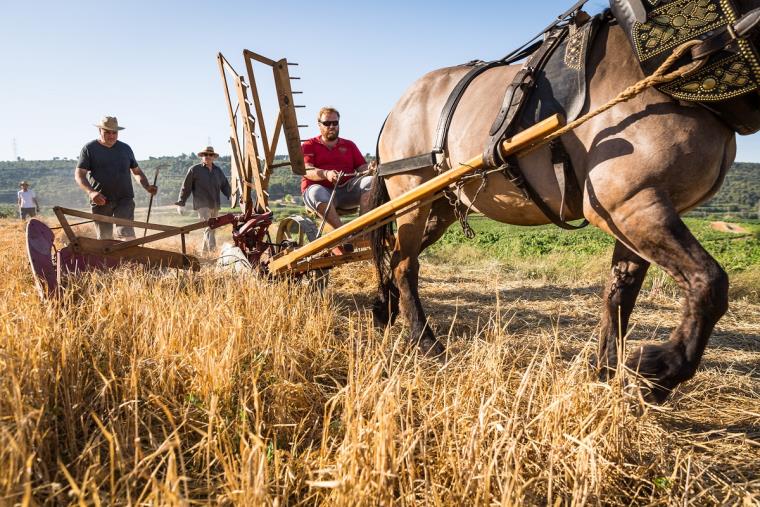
x=60 y=213
x=332 y=261
x=150 y=256
x=114 y=220
x=123 y=245
x=256 y=102
x=289 y=118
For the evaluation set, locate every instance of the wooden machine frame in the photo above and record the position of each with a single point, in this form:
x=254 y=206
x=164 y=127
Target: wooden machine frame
x=253 y=160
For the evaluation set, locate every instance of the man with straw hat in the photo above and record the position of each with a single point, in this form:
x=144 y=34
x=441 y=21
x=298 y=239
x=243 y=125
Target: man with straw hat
x=103 y=172
x=27 y=201
x=205 y=181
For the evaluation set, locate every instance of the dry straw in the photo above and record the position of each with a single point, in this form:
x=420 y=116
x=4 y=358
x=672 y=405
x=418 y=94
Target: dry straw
x=177 y=389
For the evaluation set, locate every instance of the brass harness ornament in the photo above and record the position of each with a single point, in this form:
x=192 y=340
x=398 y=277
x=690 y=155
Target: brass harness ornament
x=726 y=75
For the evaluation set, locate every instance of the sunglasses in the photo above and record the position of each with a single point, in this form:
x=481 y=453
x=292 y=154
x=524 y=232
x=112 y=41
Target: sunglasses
x=329 y=123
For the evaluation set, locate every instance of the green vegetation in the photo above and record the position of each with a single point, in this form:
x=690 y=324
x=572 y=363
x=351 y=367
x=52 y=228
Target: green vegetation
x=739 y=196
x=53 y=180
x=552 y=254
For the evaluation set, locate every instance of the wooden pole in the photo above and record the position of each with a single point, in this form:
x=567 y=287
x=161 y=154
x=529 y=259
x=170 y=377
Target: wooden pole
x=150 y=203
x=520 y=141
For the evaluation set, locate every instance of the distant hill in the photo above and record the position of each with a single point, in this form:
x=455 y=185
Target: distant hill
x=53 y=180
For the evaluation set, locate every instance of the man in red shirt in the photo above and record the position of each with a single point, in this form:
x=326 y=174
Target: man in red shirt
x=325 y=156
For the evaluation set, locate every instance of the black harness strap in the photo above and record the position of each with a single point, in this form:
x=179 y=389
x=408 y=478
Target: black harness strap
x=515 y=96
x=442 y=130
x=444 y=122
x=538 y=53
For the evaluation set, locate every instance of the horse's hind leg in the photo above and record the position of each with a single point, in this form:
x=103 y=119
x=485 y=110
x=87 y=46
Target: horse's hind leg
x=385 y=309
x=406 y=275
x=650 y=225
x=441 y=217
x=627 y=275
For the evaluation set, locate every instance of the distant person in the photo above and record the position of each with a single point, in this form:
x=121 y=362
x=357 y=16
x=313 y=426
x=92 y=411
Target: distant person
x=109 y=163
x=205 y=181
x=325 y=156
x=27 y=202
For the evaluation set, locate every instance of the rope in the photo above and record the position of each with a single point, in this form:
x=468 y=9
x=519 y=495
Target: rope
x=660 y=76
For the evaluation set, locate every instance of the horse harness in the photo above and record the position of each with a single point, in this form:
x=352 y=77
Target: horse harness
x=553 y=80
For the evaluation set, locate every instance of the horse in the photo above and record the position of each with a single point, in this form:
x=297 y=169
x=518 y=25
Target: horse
x=642 y=164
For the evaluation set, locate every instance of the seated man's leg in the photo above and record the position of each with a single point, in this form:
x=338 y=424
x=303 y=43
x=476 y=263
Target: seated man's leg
x=316 y=197
x=354 y=194
x=125 y=208
x=104 y=230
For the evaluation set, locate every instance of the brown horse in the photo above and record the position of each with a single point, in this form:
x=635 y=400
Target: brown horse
x=642 y=163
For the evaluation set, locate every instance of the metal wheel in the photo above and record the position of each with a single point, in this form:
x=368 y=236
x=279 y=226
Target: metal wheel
x=298 y=231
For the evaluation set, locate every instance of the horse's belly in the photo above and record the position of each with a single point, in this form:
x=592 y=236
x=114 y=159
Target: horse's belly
x=502 y=201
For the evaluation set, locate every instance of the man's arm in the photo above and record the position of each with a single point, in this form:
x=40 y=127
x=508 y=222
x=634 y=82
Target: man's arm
x=18 y=199
x=80 y=176
x=187 y=188
x=226 y=189
x=316 y=174
x=36 y=203
x=140 y=177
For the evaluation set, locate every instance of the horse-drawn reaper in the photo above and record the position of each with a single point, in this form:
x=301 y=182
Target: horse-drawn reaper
x=631 y=170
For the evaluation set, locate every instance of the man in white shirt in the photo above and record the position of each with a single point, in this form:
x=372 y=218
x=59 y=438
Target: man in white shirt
x=27 y=201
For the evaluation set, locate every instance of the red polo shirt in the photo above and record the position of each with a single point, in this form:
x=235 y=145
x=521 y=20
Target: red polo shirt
x=344 y=156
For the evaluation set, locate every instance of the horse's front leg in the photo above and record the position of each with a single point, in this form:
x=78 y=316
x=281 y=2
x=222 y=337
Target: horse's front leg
x=648 y=223
x=406 y=275
x=626 y=276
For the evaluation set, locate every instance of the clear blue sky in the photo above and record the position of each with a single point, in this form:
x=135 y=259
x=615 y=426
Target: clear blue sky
x=153 y=64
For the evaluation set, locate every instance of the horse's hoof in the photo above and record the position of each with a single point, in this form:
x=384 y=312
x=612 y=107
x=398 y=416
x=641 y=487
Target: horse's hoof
x=431 y=347
x=662 y=368
x=380 y=314
x=605 y=373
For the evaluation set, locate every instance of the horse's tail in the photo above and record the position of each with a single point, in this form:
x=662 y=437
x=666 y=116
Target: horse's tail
x=380 y=236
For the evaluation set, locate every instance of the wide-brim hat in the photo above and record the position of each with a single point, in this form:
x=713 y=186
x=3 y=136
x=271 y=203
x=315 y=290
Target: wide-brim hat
x=208 y=150
x=109 y=123
x=23 y=183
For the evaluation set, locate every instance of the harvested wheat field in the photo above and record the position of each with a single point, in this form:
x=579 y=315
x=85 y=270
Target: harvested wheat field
x=174 y=388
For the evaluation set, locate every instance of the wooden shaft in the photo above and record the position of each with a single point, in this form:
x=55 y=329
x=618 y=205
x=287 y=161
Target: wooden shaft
x=513 y=145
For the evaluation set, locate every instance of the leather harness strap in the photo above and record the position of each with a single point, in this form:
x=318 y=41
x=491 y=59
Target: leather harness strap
x=538 y=53
x=442 y=130
x=504 y=125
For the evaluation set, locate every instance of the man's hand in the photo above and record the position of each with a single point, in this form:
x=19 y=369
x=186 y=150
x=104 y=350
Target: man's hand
x=332 y=176
x=151 y=189
x=96 y=197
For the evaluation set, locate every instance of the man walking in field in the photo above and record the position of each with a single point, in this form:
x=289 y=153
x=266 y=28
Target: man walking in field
x=326 y=156
x=103 y=172
x=27 y=202
x=205 y=181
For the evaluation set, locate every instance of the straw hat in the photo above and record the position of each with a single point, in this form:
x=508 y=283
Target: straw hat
x=109 y=123
x=23 y=183
x=208 y=150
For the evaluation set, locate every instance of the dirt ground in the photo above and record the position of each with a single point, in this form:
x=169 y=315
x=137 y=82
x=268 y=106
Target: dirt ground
x=716 y=412
x=728 y=227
